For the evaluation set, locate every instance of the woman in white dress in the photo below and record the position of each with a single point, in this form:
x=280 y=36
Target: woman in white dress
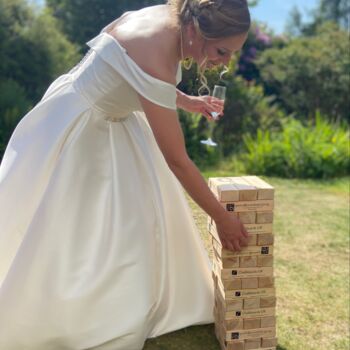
x=98 y=249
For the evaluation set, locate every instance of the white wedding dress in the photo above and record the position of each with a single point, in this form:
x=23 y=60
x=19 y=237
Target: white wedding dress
x=98 y=248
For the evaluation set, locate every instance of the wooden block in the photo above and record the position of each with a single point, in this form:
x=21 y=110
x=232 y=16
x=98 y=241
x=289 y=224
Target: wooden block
x=247 y=192
x=265 y=240
x=232 y=261
x=234 y=345
x=226 y=192
x=225 y=287
x=223 y=189
x=216 y=268
x=267 y=302
x=251 y=303
x=251 y=323
x=219 y=336
x=252 y=240
x=248 y=217
x=233 y=305
x=259 y=228
x=252 y=228
x=265 y=191
x=250 y=283
x=268 y=342
x=252 y=344
x=248 y=261
x=269 y=321
x=264 y=217
x=241 y=272
x=266 y=282
x=251 y=333
x=234 y=299
x=265 y=261
x=248 y=313
x=249 y=293
x=245 y=206
x=214 y=233
x=232 y=285
x=245 y=251
x=227 y=189
x=233 y=324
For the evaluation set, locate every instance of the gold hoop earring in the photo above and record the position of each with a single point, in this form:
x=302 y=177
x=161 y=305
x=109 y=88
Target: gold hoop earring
x=187 y=63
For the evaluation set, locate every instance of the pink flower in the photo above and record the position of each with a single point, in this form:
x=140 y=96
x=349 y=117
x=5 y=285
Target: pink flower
x=262 y=37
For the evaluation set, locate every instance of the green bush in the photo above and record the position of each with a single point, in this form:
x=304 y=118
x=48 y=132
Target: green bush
x=13 y=105
x=319 y=150
x=33 y=52
x=310 y=74
x=246 y=110
x=194 y=129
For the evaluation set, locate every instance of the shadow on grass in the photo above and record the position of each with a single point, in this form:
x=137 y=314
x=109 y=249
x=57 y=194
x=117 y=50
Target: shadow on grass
x=191 y=338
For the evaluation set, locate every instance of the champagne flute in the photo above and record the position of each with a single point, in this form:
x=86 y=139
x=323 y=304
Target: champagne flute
x=219 y=92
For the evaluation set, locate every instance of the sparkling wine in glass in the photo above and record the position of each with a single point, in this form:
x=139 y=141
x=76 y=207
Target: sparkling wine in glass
x=218 y=92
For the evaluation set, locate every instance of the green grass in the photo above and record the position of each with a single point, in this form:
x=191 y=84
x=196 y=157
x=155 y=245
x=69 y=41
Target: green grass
x=311 y=268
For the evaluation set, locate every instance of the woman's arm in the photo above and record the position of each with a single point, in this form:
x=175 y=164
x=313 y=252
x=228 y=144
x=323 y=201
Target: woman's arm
x=204 y=105
x=168 y=134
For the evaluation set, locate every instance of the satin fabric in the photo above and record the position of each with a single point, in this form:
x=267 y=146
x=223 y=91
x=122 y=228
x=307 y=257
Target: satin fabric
x=98 y=248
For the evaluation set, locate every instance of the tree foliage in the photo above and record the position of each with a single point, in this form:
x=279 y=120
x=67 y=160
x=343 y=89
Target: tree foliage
x=82 y=20
x=32 y=54
x=336 y=11
x=310 y=74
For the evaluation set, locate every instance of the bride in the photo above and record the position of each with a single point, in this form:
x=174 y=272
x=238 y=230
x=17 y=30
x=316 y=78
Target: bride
x=98 y=249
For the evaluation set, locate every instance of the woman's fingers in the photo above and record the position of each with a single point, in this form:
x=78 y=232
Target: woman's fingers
x=243 y=241
x=244 y=231
x=229 y=246
x=207 y=114
x=214 y=105
x=232 y=244
x=236 y=245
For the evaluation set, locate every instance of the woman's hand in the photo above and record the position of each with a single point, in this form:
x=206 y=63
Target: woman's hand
x=231 y=232
x=204 y=105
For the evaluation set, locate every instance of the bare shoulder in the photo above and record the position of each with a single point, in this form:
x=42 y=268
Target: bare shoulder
x=148 y=36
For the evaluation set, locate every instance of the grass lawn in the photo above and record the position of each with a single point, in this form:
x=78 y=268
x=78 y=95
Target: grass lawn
x=311 y=226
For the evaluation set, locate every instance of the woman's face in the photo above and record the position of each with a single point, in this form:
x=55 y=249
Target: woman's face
x=216 y=51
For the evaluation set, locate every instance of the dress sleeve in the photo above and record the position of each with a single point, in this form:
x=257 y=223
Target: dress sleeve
x=157 y=91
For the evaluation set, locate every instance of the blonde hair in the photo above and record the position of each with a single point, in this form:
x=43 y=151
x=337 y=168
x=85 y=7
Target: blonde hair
x=213 y=19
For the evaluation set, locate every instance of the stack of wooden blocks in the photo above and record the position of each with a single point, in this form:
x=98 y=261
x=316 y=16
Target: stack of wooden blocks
x=245 y=298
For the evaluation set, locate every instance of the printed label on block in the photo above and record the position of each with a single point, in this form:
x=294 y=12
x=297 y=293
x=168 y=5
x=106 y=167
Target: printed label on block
x=243 y=206
x=251 y=333
x=228 y=314
x=245 y=272
x=244 y=293
x=245 y=251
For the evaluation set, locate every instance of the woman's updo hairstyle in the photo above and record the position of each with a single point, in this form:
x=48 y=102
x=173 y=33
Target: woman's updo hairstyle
x=214 y=19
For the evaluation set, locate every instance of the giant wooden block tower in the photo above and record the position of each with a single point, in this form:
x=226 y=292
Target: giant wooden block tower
x=245 y=298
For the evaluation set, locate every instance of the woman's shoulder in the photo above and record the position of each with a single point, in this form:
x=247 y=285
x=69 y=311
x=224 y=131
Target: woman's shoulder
x=147 y=35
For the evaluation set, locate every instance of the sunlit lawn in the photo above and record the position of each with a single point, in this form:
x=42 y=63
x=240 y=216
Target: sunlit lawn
x=311 y=268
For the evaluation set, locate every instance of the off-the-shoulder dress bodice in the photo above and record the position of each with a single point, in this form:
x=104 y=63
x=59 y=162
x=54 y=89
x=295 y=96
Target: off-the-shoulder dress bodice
x=111 y=80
